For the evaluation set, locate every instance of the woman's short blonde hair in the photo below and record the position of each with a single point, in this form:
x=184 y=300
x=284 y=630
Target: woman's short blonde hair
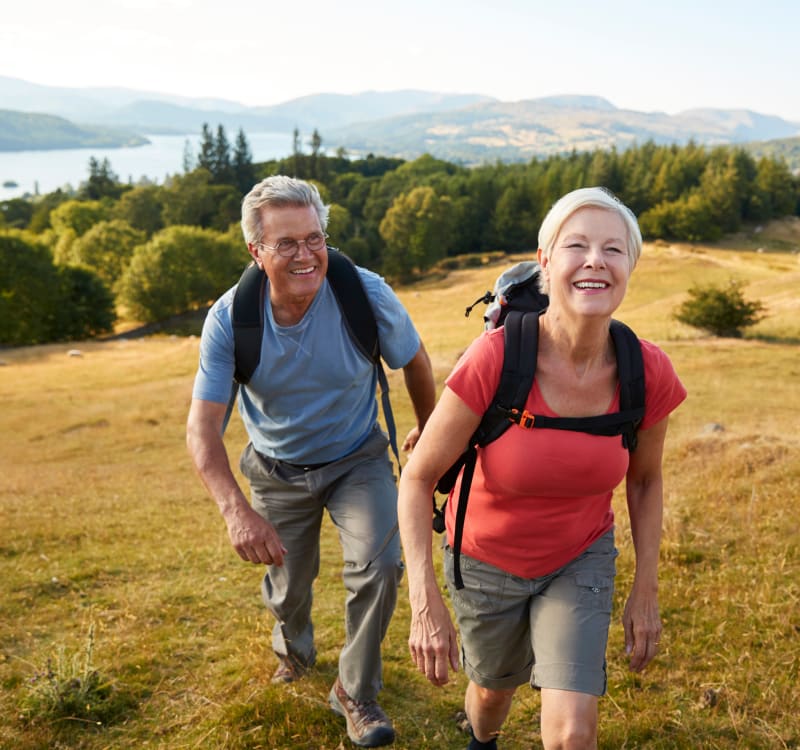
x=596 y=197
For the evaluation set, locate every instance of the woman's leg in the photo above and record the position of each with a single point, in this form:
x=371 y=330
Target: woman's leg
x=569 y=720
x=487 y=709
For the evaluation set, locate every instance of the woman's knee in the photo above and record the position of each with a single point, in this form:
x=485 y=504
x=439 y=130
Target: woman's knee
x=569 y=721
x=489 y=699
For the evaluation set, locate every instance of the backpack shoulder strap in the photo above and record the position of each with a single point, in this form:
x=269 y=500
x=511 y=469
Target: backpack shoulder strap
x=521 y=347
x=248 y=322
x=352 y=298
x=360 y=321
x=630 y=369
x=626 y=421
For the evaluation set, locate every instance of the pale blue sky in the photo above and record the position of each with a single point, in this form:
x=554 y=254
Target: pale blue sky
x=640 y=55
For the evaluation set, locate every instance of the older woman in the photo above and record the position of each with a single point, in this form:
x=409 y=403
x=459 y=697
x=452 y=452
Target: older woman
x=538 y=552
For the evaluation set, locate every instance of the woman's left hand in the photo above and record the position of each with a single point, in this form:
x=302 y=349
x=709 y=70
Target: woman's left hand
x=642 y=624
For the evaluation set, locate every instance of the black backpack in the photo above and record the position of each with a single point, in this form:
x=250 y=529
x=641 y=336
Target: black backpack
x=248 y=326
x=516 y=304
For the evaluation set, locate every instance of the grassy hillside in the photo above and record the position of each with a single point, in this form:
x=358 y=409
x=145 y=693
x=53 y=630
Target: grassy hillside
x=105 y=529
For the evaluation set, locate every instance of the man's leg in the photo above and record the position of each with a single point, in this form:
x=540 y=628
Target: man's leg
x=282 y=497
x=363 y=507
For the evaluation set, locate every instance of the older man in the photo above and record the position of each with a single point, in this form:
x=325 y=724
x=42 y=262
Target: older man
x=315 y=444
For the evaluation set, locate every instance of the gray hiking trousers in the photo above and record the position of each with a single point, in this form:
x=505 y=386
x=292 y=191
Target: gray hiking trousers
x=360 y=494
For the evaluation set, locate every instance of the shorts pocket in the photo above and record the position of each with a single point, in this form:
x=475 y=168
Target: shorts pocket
x=484 y=585
x=595 y=590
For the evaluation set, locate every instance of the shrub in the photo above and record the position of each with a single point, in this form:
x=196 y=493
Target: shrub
x=40 y=302
x=86 y=306
x=69 y=687
x=179 y=269
x=28 y=290
x=722 y=311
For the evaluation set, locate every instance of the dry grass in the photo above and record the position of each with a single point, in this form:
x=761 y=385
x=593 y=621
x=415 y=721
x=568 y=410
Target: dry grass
x=104 y=523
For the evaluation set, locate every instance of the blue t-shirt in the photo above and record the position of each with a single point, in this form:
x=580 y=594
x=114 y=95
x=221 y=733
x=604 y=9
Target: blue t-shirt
x=312 y=397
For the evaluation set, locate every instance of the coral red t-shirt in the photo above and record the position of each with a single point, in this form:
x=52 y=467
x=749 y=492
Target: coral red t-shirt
x=540 y=497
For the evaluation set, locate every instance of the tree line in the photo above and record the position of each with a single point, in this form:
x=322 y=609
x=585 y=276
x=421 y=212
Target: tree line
x=149 y=251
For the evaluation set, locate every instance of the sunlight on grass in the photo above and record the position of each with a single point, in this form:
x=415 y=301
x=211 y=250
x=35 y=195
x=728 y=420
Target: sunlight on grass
x=104 y=521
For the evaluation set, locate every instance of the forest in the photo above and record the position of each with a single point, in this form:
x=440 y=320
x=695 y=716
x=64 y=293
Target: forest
x=74 y=264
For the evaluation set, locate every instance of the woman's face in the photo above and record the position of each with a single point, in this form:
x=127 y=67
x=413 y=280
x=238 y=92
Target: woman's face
x=588 y=267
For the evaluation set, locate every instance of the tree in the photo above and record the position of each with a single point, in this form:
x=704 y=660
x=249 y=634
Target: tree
x=221 y=169
x=102 y=182
x=205 y=156
x=28 y=290
x=16 y=213
x=720 y=311
x=80 y=216
x=244 y=173
x=86 y=306
x=106 y=249
x=41 y=303
x=773 y=194
x=193 y=200
x=296 y=151
x=416 y=230
x=188 y=160
x=316 y=142
x=339 y=222
x=141 y=207
x=179 y=269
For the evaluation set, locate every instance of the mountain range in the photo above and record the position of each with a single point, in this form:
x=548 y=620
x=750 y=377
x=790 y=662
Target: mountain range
x=467 y=128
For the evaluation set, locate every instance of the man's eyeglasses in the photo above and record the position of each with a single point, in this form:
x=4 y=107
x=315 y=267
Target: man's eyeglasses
x=287 y=248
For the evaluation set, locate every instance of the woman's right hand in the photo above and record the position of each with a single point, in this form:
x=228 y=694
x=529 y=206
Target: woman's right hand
x=432 y=641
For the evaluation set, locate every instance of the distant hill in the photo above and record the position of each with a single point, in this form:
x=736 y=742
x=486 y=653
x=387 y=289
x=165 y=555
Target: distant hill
x=787 y=149
x=551 y=125
x=31 y=131
x=151 y=112
x=329 y=111
x=465 y=128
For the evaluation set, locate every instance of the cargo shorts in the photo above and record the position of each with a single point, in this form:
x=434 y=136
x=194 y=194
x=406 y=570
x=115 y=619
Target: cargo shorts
x=550 y=631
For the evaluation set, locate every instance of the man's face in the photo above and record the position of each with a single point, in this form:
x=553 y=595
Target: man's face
x=294 y=280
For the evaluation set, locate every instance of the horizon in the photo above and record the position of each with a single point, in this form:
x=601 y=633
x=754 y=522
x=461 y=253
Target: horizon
x=636 y=57
x=229 y=101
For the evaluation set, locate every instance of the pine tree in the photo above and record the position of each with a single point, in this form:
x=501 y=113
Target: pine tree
x=221 y=166
x=244 y=174
x=205 y=157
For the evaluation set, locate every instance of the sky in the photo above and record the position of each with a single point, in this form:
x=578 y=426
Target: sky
x=649 y=56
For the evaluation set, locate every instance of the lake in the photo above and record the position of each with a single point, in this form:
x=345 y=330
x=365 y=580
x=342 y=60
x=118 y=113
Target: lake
x=161 y=157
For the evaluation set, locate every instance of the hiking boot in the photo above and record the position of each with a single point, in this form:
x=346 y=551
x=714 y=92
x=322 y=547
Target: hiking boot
x=291 y=669
x=367 y=725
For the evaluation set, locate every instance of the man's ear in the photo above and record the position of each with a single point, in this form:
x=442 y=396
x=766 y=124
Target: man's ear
x=253 y=250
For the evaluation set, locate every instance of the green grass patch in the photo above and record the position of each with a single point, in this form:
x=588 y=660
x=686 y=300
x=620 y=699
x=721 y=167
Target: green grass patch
x=105 y=522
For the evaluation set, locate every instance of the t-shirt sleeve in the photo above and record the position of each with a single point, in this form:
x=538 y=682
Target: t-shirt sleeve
x=663 y=389
x=214 y=378
x=476 y=375
x=397 y=335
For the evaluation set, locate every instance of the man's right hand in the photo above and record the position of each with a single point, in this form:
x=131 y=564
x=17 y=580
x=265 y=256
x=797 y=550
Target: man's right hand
x=254 y=539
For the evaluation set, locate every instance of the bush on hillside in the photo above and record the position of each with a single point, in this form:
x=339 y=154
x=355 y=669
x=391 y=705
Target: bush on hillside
x=40 y=302
x=180 y=269
x=721 y=311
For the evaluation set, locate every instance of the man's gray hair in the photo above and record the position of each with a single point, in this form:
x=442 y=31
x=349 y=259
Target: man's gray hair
x=278 y=191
